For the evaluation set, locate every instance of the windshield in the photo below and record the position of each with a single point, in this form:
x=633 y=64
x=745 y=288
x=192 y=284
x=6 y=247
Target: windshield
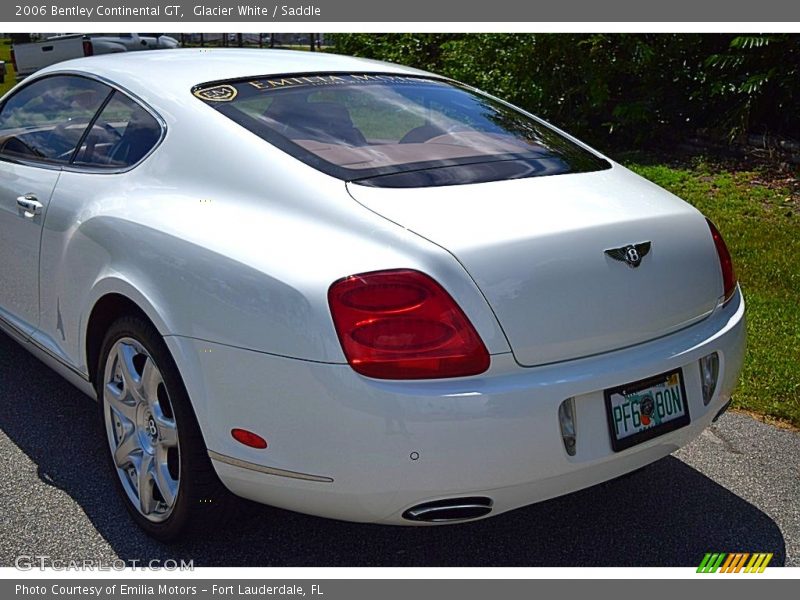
x=397 y=130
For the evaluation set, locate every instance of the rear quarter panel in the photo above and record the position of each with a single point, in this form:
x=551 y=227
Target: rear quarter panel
x=219 y=236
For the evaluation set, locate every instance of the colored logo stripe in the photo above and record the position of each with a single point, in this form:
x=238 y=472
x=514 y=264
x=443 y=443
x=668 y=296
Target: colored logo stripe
x=710 y=563
x=758 y=563
x=734 y=562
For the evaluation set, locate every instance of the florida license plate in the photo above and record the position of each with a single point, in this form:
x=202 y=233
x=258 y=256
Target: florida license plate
x=645 y=409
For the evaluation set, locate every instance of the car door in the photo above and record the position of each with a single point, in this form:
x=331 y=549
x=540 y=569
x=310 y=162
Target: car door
x=24 y=194
x=41 y=125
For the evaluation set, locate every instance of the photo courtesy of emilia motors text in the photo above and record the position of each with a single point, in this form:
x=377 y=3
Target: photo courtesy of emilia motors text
x=346 y=299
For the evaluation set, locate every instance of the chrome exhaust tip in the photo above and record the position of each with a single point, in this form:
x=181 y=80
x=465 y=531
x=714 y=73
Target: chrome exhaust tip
x=450 y=510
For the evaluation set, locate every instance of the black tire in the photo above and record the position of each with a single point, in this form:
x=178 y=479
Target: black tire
x=202 y=502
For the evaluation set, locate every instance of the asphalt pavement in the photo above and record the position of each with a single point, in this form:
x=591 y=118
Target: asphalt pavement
x=736 y=488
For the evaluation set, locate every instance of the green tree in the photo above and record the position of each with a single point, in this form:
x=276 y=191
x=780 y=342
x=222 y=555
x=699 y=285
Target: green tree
x=755 y=82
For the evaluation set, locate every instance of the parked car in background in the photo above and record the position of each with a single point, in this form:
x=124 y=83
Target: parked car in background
x=136 y=41
x=350 y=288
x=29 y=58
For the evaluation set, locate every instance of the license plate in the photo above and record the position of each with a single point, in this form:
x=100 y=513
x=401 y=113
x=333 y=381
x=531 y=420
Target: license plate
x=645 y=409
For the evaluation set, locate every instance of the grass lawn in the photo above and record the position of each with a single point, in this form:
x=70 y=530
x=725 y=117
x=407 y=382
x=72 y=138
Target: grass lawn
x=5 y=54
x=760 y=220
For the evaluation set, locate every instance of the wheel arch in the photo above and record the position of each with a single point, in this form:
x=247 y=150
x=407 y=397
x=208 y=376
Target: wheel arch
x=113 y=300
x=114 y=296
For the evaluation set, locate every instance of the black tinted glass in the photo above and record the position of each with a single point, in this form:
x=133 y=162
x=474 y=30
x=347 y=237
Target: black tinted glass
x=121 y=136
x=46 y=119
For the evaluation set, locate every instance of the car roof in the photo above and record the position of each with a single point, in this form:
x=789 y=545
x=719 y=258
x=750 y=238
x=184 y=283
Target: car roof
x=180 y=69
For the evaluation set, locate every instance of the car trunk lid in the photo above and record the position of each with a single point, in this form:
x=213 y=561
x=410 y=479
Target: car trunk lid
x=536 y=248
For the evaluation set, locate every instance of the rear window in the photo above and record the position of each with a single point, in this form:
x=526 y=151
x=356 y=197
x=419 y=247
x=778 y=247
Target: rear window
x=397 y=131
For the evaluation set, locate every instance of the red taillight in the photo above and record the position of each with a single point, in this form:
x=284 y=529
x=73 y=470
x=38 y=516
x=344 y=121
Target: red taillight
x=248 y=438
x=88 y=49
x=725 y=262
x=401 y=324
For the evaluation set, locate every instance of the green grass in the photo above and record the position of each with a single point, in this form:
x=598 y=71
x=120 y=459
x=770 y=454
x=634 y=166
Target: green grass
x=761 y=225
x=5 y=54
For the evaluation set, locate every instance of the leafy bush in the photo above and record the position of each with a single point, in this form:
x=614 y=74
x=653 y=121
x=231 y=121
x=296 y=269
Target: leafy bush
x=756 y=82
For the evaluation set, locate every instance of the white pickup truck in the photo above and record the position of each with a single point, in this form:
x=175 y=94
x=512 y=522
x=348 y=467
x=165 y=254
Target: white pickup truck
x=29 y=58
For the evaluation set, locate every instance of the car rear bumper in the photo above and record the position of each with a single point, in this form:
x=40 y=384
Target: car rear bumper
x=348 y=447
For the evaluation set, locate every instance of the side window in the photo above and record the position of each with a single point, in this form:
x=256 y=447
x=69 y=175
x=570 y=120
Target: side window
x=46 y=119
x=122 y=135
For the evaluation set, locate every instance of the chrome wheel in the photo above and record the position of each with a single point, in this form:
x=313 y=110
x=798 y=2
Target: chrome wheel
x=141 y=429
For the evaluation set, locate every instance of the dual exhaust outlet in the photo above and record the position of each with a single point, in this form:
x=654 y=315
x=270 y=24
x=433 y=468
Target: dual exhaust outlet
x=450 y=510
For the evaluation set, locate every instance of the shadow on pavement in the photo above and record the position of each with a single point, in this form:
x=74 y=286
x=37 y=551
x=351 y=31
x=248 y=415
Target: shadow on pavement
x=668 y=514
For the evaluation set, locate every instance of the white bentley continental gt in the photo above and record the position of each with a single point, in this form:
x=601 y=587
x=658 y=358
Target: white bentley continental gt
x=350 y=288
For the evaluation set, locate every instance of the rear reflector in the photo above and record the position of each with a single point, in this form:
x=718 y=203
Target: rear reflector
x=566 y=421
x=248 y=438
x=709 y=373
x=401 y=324
x=725 y=262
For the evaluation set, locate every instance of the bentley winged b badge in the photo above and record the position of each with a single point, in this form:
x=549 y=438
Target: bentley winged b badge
x=632 y=254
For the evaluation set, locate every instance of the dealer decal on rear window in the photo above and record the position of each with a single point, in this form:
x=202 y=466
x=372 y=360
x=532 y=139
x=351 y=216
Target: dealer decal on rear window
x=217 y=93
x=326 y=80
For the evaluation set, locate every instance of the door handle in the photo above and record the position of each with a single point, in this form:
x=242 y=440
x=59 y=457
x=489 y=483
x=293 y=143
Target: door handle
x=30 y=204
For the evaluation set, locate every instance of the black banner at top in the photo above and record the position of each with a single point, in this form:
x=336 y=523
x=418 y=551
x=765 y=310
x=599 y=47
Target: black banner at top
x=370 y=11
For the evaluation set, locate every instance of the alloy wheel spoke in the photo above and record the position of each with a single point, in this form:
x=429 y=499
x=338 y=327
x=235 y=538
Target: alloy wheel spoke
x=147 y=501
x=130 y=378
x=149 y=382
x=117 y=401
x=128 y=450
x=166 y=484
x=167 y=428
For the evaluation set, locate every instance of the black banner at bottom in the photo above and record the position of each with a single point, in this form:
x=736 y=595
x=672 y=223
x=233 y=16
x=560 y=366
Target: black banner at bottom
x=388 y=589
